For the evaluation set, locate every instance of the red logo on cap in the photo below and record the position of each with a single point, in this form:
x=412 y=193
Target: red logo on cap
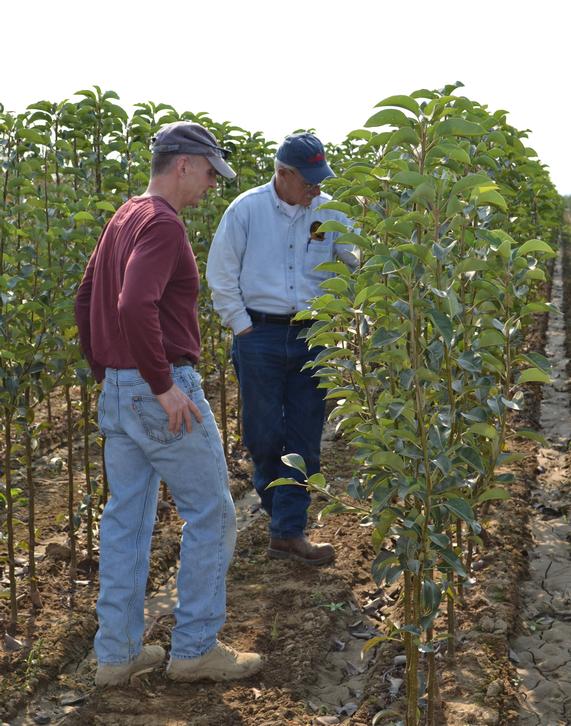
x=316 y=158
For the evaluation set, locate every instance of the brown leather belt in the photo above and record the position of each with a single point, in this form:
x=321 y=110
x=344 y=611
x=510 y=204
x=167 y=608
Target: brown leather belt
x=182 y=361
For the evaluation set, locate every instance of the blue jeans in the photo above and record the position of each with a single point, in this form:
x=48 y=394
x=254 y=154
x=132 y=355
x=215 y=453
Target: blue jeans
x=283 y=413
x=139 y=452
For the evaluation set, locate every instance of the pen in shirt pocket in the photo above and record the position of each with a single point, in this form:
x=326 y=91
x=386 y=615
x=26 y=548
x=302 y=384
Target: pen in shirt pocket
x=314 y=234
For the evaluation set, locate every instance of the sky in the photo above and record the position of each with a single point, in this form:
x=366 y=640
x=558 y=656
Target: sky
x=279 y=66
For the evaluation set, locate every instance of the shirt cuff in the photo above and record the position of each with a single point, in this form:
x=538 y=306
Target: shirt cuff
x=240 y=322
x=160 y=385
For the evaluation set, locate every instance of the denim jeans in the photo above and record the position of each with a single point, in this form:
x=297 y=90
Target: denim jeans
x=139 y=452
x=283 y=413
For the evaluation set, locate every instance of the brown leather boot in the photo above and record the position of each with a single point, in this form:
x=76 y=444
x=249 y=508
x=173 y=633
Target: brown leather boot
x=301 y=549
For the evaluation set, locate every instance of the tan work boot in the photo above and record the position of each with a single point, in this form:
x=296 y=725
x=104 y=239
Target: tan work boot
x=110 y=674
x=222 y=663
x=301 y=549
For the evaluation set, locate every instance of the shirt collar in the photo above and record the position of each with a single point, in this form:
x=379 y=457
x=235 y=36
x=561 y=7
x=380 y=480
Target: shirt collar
x=277 y=202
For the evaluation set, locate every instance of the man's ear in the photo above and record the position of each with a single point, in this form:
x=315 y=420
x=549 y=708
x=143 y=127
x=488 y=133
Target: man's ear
x=184 y=164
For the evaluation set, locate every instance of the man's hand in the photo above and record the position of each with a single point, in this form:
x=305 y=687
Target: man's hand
x=178 y=407
x=245 y=331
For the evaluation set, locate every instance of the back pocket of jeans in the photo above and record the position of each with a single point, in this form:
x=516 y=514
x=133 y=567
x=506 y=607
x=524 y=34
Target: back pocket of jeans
x=154 y=420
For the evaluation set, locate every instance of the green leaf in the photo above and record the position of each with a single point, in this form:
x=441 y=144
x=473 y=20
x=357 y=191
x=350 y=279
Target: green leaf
x=409 y=178
x=87 y=93
x=417 y=250
x=295 y=461
x=532 y=436
x=337 y=206
x=493 y=493
x=470 y=265
x=444 y=325
x=402 y=102
x=492 y=198
x=455 y=152
x=406 y=135
x=83 y=217
x=34 y=136
x=335 y=284
x=284 y=482
x=382 y=337
x=470 y=362
x=371 y=293
x=535 y=245
x=537 y=360
x=388 y=116
x=451 y=559
x=458 y=127
x=439 y=539
x=533 y=375
x=424 y=192
x=351 y=238
x=389 y=460
x=472 y=457
x=537 y=307
x=317 y=480
x=469 y=182
x=483 y=429
x=332 y=225
x=461 y=508
x=491 y=338
x=536 y=274
x=508 y=458
x=382 y=526
x=337 y=267
x=105 y=206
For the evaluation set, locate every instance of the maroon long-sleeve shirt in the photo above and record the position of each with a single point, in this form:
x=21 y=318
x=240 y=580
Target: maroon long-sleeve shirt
x=137 y=306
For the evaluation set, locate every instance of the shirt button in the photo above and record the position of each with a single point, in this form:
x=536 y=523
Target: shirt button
x=291 y=287
x=291 y=247
x=291 y=267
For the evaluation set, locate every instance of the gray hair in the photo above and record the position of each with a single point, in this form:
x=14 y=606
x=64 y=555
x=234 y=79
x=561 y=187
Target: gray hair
x=281 y=165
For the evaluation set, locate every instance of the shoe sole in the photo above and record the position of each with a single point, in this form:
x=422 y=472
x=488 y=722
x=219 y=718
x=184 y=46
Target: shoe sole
x=281 y=555
x=211 y=676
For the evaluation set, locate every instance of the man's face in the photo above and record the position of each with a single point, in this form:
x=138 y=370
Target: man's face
x=298 y=190
x=198 y=177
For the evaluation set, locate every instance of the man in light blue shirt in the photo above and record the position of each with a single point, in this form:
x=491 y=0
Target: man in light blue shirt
x=262 y=271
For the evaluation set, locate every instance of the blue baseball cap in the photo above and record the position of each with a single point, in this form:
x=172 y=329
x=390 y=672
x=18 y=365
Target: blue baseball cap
x=305 y=153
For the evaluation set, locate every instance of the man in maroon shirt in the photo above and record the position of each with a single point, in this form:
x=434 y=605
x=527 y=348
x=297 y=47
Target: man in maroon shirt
x=136 y=311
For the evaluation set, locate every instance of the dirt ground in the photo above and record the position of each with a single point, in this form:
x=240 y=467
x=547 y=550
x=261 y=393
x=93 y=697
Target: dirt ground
x=309 y=625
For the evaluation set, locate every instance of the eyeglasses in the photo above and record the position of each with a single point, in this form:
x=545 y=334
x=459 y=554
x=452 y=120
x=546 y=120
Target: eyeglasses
x=306 y=185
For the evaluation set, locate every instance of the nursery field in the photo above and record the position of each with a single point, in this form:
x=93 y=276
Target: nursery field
x=445 y=465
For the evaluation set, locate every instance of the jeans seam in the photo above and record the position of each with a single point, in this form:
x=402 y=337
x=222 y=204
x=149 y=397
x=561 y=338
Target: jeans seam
x=101 y=403
x=193 y=387
x=136 y=570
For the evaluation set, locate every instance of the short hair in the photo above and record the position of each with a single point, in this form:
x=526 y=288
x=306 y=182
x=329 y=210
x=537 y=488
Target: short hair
x=281 y=165
x=162 y=161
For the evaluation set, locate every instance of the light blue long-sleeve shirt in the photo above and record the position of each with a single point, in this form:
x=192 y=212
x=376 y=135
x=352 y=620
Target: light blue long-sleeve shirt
x=264 y=259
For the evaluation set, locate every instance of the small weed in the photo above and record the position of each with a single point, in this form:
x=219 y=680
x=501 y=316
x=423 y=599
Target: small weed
x=34 y=659
x=333 y=607
x=498 y=596
x=274 y=631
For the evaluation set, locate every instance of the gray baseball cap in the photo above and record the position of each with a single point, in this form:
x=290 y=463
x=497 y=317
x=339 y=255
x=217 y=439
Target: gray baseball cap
x=186 y=137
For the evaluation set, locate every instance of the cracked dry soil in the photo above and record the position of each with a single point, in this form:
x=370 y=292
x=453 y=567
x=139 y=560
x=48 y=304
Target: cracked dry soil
x=543 y=651
x=310 y=626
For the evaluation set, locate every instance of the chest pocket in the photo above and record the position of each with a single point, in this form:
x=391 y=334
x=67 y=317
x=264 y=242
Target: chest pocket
x=316 y=253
